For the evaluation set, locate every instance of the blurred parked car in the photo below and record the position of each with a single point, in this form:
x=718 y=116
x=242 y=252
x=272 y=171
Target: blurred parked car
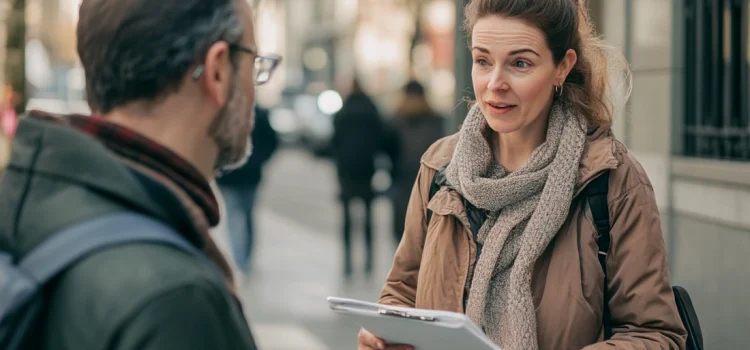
x=306 y=120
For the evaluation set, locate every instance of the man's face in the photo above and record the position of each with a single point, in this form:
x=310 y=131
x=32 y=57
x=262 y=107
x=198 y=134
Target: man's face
x=232 y=127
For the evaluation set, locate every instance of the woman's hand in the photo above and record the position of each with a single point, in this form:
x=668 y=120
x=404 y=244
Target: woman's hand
x=367 y=341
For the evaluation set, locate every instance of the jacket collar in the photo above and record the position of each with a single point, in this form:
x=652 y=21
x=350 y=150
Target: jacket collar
x=601 y=152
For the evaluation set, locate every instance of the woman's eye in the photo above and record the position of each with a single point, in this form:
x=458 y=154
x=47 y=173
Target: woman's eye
x=521 y=64
x=481 y=62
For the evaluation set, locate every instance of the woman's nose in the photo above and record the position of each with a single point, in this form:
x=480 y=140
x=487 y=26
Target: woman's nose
x=498 y=81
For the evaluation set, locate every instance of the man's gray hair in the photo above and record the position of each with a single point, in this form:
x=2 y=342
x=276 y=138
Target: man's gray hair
x=142 y=49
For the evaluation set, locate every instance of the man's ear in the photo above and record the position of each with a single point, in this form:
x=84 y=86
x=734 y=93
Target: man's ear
x=217 y=71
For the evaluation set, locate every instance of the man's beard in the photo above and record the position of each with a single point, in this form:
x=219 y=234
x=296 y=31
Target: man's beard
x=231 y=130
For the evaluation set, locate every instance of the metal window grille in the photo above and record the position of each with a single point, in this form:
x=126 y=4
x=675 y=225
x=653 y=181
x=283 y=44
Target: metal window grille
x=717 y=79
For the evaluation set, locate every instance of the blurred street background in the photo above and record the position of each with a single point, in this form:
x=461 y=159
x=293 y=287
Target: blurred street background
x=299 y=258
x=687 y=122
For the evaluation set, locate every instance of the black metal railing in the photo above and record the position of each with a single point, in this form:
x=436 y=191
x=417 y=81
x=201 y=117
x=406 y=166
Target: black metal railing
x=717 y=79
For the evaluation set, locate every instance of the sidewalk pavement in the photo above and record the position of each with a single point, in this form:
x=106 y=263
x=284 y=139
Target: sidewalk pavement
x=297 y=262
x=285 y=295
x=298 y=258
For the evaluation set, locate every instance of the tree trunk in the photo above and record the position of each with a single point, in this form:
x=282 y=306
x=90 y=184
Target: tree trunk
x=15 y=65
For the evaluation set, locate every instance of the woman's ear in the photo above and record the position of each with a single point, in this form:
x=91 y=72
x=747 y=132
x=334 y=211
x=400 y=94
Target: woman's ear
x=565 y=66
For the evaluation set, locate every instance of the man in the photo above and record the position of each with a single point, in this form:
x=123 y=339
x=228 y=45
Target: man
x=171 y=82
x=239 y=188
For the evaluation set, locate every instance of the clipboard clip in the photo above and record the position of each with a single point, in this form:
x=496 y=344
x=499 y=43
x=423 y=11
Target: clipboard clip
x=405 y=315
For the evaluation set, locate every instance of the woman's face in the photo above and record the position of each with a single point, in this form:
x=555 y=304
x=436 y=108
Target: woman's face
x=513 y=73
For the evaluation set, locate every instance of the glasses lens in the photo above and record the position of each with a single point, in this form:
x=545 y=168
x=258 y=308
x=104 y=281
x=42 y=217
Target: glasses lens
x=264 y=67
x=262 y=77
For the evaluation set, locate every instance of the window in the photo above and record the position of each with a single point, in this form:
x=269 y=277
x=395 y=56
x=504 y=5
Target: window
x=717 y=79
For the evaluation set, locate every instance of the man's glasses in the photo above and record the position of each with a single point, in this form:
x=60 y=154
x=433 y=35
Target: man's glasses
x=264 y=65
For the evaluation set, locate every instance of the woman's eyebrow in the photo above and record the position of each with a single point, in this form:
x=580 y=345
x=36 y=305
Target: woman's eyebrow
x=514 y=52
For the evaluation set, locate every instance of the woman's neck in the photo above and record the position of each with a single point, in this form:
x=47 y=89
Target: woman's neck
x=512 y=150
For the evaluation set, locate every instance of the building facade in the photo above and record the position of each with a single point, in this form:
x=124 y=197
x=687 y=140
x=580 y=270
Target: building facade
x=687 y=122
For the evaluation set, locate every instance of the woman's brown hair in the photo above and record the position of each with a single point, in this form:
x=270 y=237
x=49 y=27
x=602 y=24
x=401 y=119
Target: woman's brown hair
x=601 y=72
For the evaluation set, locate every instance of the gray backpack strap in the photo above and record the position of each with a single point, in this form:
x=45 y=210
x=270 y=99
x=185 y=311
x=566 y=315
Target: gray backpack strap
x=22 y=283
x=72 y=244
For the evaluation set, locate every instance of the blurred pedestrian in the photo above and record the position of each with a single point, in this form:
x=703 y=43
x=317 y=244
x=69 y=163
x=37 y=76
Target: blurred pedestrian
x=240 y=190
x=415 y=127
x=172 y=87
x=356 y=141
x=5 y=146
x=8 y=123
x=220 y=235
x=505 y=232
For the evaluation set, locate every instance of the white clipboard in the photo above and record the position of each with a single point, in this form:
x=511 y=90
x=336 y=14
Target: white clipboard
x=423 y=329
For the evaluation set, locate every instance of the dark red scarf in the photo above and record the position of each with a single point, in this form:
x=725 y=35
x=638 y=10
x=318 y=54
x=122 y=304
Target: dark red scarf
x=138 y=148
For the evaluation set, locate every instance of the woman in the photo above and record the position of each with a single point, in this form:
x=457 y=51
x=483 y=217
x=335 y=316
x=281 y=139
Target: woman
x=510 y=241
x=415 y=127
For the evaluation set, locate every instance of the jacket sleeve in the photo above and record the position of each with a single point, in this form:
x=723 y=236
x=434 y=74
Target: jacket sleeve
x=401 y=285
x=643 y=310
x=193 y=316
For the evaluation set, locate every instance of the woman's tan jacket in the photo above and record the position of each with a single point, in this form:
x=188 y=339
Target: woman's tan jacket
x=433 y=265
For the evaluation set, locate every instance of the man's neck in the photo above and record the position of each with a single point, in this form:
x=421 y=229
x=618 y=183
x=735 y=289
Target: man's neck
x=171 y=125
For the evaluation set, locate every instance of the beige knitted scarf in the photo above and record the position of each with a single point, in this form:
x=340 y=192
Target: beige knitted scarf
x=526 y=209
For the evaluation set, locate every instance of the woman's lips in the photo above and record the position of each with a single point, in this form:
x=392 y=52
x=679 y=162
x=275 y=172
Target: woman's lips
x=500 y=108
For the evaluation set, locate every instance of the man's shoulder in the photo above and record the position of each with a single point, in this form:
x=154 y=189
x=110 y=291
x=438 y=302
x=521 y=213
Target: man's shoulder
x=104 y=293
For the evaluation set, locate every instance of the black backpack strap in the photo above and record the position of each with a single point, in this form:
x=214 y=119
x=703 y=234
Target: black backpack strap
x=596 y=192
x=437 y=182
